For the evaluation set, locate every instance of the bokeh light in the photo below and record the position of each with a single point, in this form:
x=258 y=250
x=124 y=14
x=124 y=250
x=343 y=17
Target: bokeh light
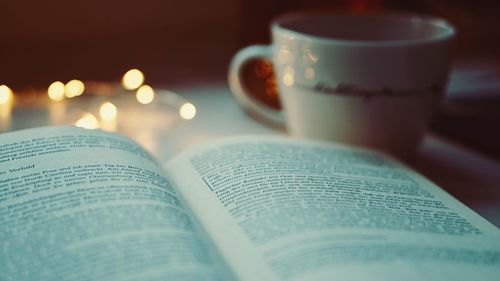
x=309 y=73
x=87 y=121
x=108 y=111
x=145 y=94
x=132 y=79
x=187 y=111
x=74 y=88
x=288 y=79
x=56 y=91
x=288 y=76
x=5 y=94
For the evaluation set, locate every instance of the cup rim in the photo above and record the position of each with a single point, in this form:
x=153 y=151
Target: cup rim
x=449 y=31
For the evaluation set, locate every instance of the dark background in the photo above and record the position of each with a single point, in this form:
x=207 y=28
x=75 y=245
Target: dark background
x=180 y=41
x=187 y=42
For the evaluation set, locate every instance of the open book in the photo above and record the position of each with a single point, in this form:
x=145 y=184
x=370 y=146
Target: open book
x=81 y=204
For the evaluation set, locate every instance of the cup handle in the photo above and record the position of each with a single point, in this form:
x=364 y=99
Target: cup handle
x=245 y=98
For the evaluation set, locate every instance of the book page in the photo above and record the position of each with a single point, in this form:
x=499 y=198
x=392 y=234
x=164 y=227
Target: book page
x=299 y=210
x=77 y=204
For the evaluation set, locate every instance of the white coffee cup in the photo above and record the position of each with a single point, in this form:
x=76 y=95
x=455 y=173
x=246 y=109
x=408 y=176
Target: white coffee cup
x=370 y=80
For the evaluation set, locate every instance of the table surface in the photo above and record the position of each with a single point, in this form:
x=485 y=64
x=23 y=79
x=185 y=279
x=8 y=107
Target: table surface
x=472 y=178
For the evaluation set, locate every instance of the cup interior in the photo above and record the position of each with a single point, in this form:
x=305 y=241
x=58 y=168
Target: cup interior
x=383 y=27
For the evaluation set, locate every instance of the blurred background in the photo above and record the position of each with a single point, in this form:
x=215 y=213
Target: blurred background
x=181 y=41
x=191 y=42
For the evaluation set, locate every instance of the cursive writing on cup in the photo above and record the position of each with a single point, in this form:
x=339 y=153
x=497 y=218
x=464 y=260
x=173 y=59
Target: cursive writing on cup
x=350 y=90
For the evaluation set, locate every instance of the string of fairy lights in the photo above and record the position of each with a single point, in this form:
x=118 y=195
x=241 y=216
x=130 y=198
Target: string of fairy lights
x=132 y=82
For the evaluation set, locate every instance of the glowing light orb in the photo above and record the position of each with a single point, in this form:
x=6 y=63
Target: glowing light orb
x=288 y=79
x=145 y=94
x=288 y=76
x=87 y=121
x=132 y=79
x=187 y=111
x=309 y=73
x=108 y=111
x=5 y=94
x=74 y=88
x=56 y=91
